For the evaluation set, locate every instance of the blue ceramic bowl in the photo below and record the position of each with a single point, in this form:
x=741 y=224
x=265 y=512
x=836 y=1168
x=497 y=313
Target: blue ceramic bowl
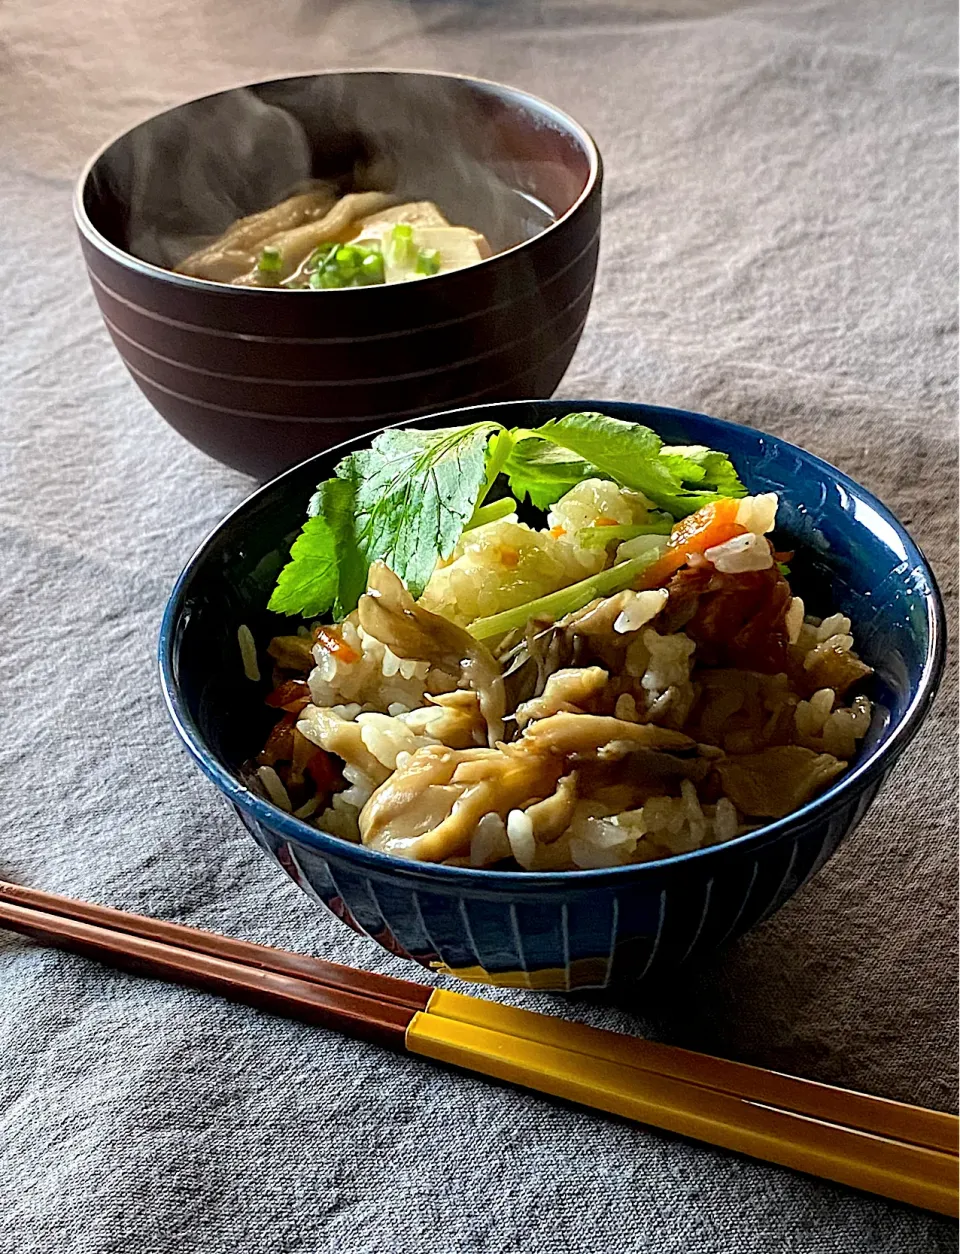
x=578 y=929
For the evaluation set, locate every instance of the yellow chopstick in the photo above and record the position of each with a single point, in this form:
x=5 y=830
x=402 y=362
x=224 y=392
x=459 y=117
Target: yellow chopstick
x=930 y=1128
x=893 y=1168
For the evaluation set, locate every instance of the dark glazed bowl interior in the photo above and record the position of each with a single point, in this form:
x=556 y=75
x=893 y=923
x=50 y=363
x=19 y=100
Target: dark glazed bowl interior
x=577 y=928
x=261 y=378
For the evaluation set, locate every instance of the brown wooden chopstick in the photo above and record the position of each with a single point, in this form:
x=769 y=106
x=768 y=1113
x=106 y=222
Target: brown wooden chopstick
x=385 y=988
x=383 y=1022
x=728 y=1104
x=878 y=1115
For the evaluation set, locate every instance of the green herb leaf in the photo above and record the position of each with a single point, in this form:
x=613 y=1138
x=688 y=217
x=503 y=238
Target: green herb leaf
x=705 y=468
x=415 y=492
x=337 y=502
x=498 y=451
x=408 y=498
x=545 y=464
x=624 y=451
x=542 y=472
x=307 y=585
x=405 y=500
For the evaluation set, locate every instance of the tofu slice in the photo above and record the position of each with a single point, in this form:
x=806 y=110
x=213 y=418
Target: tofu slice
x=415 y=212
x=458 y=246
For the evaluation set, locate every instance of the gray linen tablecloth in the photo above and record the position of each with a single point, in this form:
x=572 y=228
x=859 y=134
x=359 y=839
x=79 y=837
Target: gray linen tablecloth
x=779 y=248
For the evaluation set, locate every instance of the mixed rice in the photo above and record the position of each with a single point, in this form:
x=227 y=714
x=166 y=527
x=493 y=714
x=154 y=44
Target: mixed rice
x=670 y=715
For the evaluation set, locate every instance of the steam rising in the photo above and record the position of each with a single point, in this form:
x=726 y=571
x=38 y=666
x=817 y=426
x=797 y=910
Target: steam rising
x=196 y=170
x=185 y=176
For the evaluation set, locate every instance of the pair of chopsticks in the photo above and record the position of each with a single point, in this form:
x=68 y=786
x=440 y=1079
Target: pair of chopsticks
x=885 y=1147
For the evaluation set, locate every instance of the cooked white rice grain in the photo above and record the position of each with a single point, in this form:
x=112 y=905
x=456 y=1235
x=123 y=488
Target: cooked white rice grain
x=692 y=811
x=833 y=644
x=810 y=716
x=668 y=824
x=490 y=843
x=248 y=652
x=835 y=625
x=347 y=712
x=742 y=553
x=391 y=663
x=275 y=789
x=597 y=842
x=626 y=708
x=670 y=661
x=360 y=790
x=793 y=622
x=640 y=545
x=725 y=821
x=375 y=678
x=639 y=609
x=758 y=513
x=523 y=846
x=340 y=819
x=845 y=727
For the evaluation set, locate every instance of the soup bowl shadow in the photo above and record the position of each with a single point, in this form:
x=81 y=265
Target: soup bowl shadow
x=575 y=929
x=261 y=378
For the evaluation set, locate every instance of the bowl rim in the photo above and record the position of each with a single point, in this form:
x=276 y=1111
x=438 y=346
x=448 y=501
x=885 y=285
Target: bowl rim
x=189 y=283
x=851 y=784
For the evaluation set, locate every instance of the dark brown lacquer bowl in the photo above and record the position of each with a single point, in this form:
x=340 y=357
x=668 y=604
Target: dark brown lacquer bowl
x=262 y=378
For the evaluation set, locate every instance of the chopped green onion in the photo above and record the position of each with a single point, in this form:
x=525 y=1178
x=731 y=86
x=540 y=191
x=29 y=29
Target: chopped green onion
x=492 y=512
x=371 y=268
x=326 y=278
x=784 y=569
x=319 y=257
x=270 y=260
x=600 y=537
x=347 y=259
x=428 y=261
x=340 y=265
x=401 y=250
x=565 y=601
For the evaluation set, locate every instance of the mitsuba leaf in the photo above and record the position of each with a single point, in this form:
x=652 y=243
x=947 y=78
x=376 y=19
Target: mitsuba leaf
x=633 y=456
x=704 y=467
x=405 y=500
x=414 y=491
x=624 y=451
x=541 y=472
x=307 y=585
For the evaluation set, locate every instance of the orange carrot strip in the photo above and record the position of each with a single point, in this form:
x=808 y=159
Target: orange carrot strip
x=331 y=641
x=712 y=525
